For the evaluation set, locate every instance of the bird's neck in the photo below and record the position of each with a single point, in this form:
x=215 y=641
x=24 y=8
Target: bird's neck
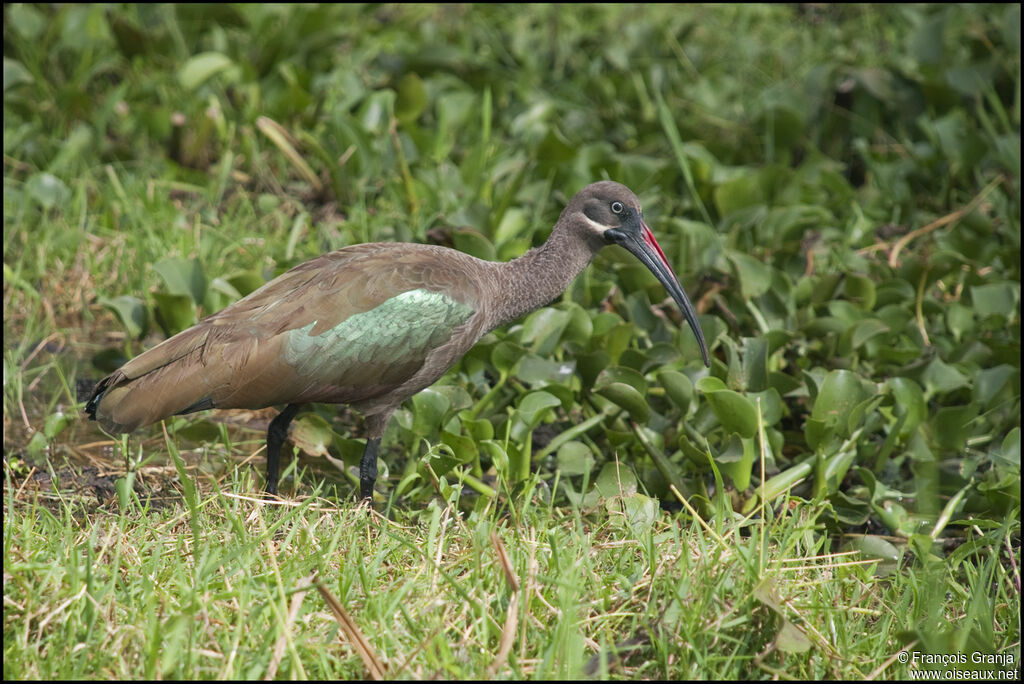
x=539 y=276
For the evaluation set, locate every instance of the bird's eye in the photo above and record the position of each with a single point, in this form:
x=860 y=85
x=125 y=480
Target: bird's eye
x=617 y=207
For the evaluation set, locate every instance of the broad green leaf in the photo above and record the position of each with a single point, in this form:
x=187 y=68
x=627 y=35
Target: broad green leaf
x=200 y=67
x=15 y=74
x=48 y=190
x=615 y=479
x=839 y=394
x=736 y=460
x=131 y=312
x=861 y=290
x=429 y=407
x=543 y=328
x=628 y=398
x=940 y=378
x=580 y=326
x=678 y=387
x=506 y=355
x=867 y=329
x=951 y=426
x=1009 y=451
x=535 y=405
x=174 y=312
x=575 y=458
x=739 y=192
x=873 y=547
x=183 y=277
x=989 y=382
x=755 y=277
x=474 y=243
x=411 y=99
x=311 y=434
x=755 y=364
x=622 y=374
x=463 y=448
x=791 y=639
x=733 y=410
x=998 y=299
x=908 y=400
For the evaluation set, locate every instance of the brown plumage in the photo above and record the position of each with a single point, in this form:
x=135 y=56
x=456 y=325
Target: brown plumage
x=367 y=325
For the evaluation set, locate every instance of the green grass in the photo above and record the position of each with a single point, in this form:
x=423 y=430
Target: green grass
x=837 y=187
x=222 y=590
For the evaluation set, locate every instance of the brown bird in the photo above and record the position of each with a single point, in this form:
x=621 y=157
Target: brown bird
x=368 y=325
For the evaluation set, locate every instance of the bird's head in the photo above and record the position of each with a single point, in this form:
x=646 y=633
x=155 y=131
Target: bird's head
x=608 y=213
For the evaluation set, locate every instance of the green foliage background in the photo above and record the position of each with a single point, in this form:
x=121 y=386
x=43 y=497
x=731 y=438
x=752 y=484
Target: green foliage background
x=837 y=186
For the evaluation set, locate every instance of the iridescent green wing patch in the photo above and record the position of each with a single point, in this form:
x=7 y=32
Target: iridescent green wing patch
x=383 y=346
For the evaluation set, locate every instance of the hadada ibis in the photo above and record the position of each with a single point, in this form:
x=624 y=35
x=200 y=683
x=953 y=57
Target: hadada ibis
x=368 y=325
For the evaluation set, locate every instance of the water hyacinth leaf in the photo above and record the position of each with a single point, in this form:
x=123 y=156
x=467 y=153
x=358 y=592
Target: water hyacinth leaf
x=590 y=365
x=678 y=387
x=535 y=406
x=201 y=67
x=48 y=190
x=755 y=277
x=873 y=547
x=506 y=355
x=615 y=479
x=734 y=411
x=866 y=330
x=542 y=329
x=861 y=290
x=613 y=374
x=816 y=432
x=463 y=448
x=840 y=392
x=989 y=382
x=791 y=639
x=1009 y=451
x=411 y=99
x=740 y=192
x=311 y=434
x=908 y=400
x=131 y=312
x=771 y=405
x=540 y=371
x=627 y=397
x=951 y=426
x=473 y=242
x=940 y=378
x=860 y=412
x=998 y=299
x=782 y=383
x=617 y=340
x=174 y=312
x=736 y=460
x=580 y=326
x=575 y=458
x=429 y=406
x=638 y=511
x=183 y=277
x=849 y=510
x=959 y=319
x=755 y=364
x=109 y=360
x=479 y=429
x=497 y=455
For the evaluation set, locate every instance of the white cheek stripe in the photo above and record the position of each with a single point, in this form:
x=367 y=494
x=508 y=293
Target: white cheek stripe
x=598 y=228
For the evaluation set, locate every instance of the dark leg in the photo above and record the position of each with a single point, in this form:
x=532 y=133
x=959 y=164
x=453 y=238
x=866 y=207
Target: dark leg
x=368 y=469
x=276 y=434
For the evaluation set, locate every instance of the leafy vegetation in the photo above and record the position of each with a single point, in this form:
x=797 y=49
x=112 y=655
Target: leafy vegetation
x=838 y=188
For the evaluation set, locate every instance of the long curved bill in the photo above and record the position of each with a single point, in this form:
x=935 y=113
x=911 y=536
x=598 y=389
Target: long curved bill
x=635 y=236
